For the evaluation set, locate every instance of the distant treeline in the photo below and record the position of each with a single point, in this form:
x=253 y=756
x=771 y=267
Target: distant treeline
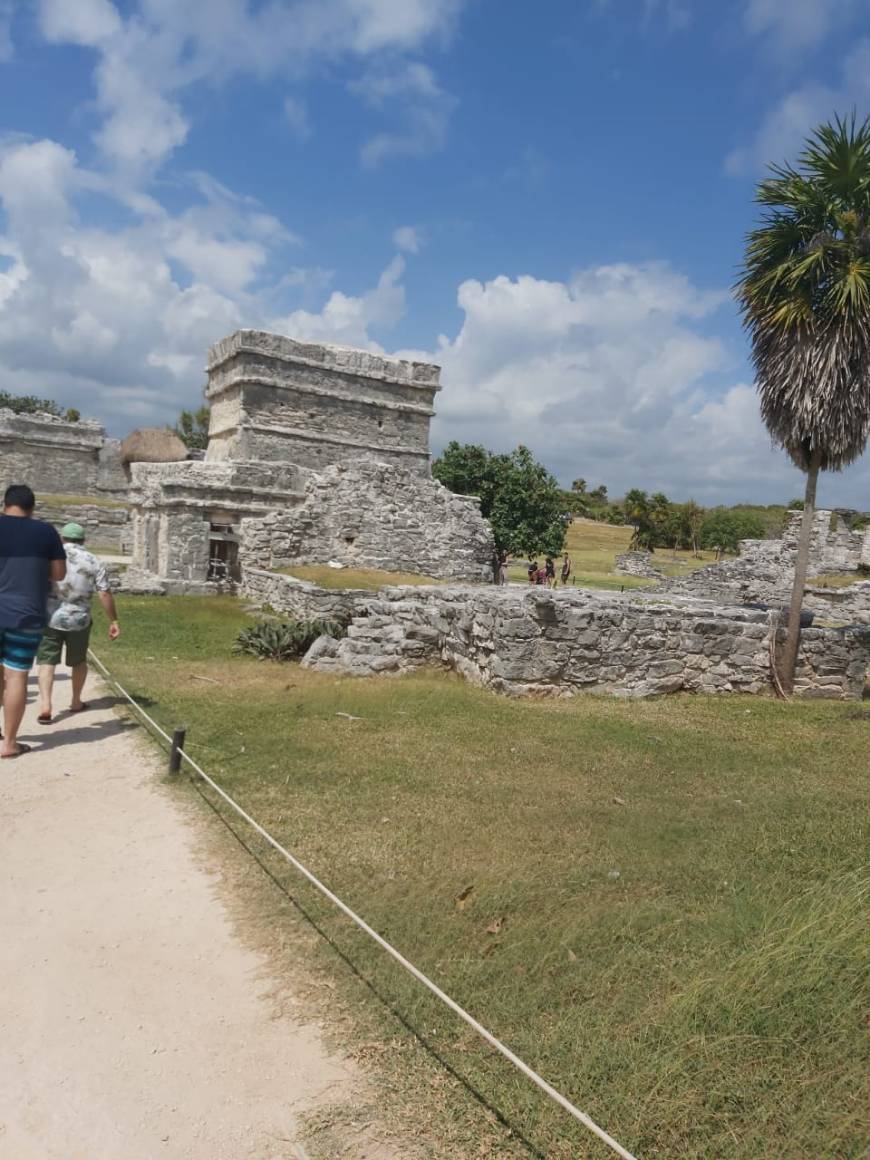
x=660 y=523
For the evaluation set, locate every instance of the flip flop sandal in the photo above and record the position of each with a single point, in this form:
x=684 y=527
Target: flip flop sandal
x=22 y=749
x=45 y=718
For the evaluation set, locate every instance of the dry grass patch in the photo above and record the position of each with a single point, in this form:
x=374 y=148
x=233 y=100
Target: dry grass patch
x=663 y=913
x=365 y=578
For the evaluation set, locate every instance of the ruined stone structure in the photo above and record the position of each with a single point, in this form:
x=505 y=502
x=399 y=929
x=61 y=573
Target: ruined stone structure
x=274 y=399
x=315 y=453
x=518 y=642
x=764 y=570
x=59 y=457
x=367 y=514
x=638 y=564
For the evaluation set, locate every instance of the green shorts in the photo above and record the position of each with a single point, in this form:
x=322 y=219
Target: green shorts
x=76 y=641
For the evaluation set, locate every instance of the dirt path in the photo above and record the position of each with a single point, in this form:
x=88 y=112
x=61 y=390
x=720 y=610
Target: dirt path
x=133 y=1022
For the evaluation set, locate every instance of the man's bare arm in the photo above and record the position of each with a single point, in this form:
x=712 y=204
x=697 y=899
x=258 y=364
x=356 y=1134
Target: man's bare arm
x=57 y=570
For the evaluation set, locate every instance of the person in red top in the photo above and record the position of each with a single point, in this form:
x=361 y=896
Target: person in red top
x=31 y=557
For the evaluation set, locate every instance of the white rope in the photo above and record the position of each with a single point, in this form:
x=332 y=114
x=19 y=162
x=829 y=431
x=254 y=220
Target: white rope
x=545 y=1087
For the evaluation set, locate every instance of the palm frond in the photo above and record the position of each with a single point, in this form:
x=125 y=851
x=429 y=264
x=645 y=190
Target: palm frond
x=804 y=294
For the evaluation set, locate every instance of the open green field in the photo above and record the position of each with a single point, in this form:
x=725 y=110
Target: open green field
x=664 y=901
x=593 y=548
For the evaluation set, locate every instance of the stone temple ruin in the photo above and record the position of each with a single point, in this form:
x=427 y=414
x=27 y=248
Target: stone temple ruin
x=316 y=453
x=320 y=454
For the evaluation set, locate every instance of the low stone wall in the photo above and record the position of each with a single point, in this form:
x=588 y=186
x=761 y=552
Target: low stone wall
x=300 y=599
x=850 y=603
x=638 y=564
x=106 y=527
x=562 y=642
x=764 y=570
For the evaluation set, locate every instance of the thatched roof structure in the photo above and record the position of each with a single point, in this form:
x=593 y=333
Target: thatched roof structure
x=152 y=445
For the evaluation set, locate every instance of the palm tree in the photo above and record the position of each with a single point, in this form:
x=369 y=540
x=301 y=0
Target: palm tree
x=804 y=293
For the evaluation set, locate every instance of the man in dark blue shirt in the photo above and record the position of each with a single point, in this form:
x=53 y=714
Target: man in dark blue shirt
x=31 y=556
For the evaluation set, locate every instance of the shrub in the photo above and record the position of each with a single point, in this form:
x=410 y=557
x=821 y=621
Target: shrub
x=284 y=640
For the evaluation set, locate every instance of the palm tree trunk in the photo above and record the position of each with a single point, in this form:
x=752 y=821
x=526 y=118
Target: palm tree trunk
x=788 y=660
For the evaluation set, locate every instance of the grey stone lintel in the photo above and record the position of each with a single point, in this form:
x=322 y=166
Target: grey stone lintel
x=334 y=440
x=295 y=387
x=329 y=356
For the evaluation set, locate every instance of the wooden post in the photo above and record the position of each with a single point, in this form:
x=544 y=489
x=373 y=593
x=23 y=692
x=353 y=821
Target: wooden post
x=178 y=737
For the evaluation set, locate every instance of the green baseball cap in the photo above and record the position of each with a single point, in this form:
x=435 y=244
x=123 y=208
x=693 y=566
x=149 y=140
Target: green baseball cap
x=72 y=532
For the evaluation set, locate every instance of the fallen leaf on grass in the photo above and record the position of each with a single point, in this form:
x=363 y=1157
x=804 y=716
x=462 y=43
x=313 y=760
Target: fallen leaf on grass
x=496 y=925
x=617 y=801
x=463 y=899
x=572 y=958
x=350 y=717
x=211 y=680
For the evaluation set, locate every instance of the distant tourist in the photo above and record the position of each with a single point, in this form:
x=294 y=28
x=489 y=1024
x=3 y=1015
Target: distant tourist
x=566 y=568
x=550 y=572
x=31 y=556
x=533 y=571
x=502 y=568
x=69 y=625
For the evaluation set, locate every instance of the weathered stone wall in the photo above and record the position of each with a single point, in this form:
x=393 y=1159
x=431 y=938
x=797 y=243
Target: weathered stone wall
x=520 y=642
x=56 y=457
x=106 y=527
x=374 y=515
x=274 y=398
x=638 y=564
x=764 y=571
x=300 y=599
x=175 y=504
x=849 y=605
x=49 y=454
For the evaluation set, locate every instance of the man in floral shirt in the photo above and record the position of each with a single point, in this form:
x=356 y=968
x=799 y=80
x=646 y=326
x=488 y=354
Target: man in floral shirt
x=69 y=624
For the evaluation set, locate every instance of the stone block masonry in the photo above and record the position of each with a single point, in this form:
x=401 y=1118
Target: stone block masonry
x=375 y=515
x=560 y=643
x=50 y=454
x=301 y=600
x=313 y=404
x=108 y=528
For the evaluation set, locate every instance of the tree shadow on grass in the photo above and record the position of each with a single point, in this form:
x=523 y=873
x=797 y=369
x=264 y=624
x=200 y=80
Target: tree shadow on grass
x=431 y=1050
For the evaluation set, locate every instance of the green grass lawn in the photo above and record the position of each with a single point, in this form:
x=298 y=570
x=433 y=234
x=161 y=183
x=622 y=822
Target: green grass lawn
x=667 y=904
x=368 y=578
x=593 y=548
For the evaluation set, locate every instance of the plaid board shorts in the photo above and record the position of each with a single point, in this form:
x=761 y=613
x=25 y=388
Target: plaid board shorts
x=18 y=648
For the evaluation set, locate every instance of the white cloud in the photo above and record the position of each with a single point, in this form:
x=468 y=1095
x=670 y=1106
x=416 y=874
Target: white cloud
x=606 y=375
x=792 y=26
x=348 y=320
x=409 y=239
x=296 y=115
x=147 y=60
x=786 y=126
x=86 y=22
x=424 y=111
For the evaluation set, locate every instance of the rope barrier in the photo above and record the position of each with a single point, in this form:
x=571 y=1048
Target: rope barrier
x=491 y=1039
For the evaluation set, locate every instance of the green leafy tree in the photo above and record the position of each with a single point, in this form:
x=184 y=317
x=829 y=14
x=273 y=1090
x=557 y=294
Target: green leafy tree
x=692 y=518
x=192 y=428
x=725 y=529
x=519 y=497
x=30 y=405
x=804 y=292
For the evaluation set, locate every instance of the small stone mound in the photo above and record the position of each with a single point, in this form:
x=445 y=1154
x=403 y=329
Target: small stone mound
x=152 y=445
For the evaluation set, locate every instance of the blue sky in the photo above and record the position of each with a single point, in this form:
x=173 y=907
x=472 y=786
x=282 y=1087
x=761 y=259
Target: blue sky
x=549 y=200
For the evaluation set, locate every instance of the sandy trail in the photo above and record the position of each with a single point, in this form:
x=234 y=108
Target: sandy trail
x=133 y=1022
